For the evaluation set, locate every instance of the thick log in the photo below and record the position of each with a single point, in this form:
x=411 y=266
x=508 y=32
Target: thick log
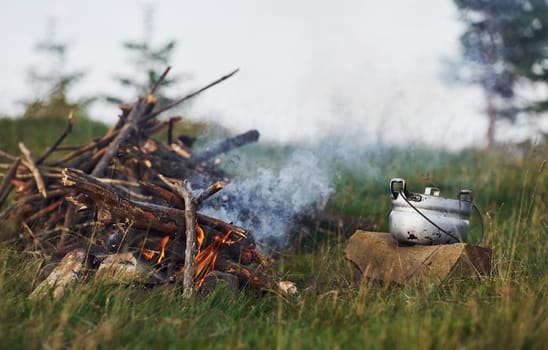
x=378 y=257
x=226 y=146
x=142 y=215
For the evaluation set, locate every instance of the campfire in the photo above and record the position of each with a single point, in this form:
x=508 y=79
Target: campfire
x=128 y=195
x=127 y=204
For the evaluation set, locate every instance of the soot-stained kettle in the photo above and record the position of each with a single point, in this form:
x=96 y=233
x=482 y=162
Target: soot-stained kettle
x=427 y=218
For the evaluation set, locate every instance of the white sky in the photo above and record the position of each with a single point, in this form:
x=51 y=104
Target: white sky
x=307 y=68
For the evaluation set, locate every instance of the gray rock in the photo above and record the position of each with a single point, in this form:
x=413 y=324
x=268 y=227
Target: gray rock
x=215 y=279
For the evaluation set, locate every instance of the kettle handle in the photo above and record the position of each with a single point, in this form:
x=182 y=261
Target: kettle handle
x=394 y=191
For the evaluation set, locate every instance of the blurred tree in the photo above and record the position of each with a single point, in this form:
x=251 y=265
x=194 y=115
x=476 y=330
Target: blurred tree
x=505 y=41
x=149 y=63
x=51 y=86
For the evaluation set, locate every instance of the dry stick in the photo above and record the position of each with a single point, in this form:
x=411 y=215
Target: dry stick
x=111 y=135
x=187 y=97
x=159 y=127
x=22 y=200
x=130 y=126
x=125 y=108
x=33 y=236
x=68 y=129
x=170 y=131
x=99 y=143
x=190 y=250
x=8 y=156
x=185 y=192
x=34 y=170
x=208 y=192
x=5 y=185
x=159 y=81
x=68 y=148
x=171 y=198
x=53 y=206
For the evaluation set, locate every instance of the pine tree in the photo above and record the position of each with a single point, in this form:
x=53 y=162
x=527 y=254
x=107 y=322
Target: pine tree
x=51 y=85
x=149 y=62
x=505 y=42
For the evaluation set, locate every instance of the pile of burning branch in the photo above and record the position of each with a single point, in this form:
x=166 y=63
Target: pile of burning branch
x=126 y=199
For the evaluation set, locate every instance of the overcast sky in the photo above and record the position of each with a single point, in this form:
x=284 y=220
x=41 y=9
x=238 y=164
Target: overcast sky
x=307 y=68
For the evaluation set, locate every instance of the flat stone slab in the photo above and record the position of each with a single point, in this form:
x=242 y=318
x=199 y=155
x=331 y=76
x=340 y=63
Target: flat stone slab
x=378 y=257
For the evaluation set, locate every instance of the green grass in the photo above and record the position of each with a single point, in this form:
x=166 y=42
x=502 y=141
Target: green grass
x=39 y=133
x=507 y=310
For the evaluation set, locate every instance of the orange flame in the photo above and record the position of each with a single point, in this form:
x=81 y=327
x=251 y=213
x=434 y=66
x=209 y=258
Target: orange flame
x=147 y=254
x=200 y=237
x=150 y=254
x=205 y=260
x=163 y=245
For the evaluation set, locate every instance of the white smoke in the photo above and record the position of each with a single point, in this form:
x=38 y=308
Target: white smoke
x=267 y=202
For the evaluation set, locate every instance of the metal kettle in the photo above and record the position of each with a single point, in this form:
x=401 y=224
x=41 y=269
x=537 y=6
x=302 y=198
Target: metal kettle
x=428 y=218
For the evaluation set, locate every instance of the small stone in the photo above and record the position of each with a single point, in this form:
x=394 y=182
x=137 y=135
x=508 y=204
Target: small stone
x=214 y=279
x=288 y=287
x=64 y=275
x=122 y=267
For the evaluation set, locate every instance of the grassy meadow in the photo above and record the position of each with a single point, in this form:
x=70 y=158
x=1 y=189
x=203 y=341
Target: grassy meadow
x=506 y=310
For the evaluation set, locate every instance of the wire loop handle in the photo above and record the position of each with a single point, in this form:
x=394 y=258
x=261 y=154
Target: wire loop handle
x=403 y=195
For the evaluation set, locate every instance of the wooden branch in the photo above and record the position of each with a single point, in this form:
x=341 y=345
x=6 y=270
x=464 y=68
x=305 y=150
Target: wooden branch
x=189 y=96
x=184 y=191
x=161 y=126
x=34 y=170
x=221 y=226
x=226 y=146
x=7 y=156
x=159 y=81
x=190 y=250
x=170 y=131
x=181 y=151
x=143 y=215
x=53 y=206
x=150 y=103
x=129 y=127
x=33 y=236
x=96 y=144
x=52 y=148
x=208 y=192
x=172 y=199
x=15 y=206
x=5 y=185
